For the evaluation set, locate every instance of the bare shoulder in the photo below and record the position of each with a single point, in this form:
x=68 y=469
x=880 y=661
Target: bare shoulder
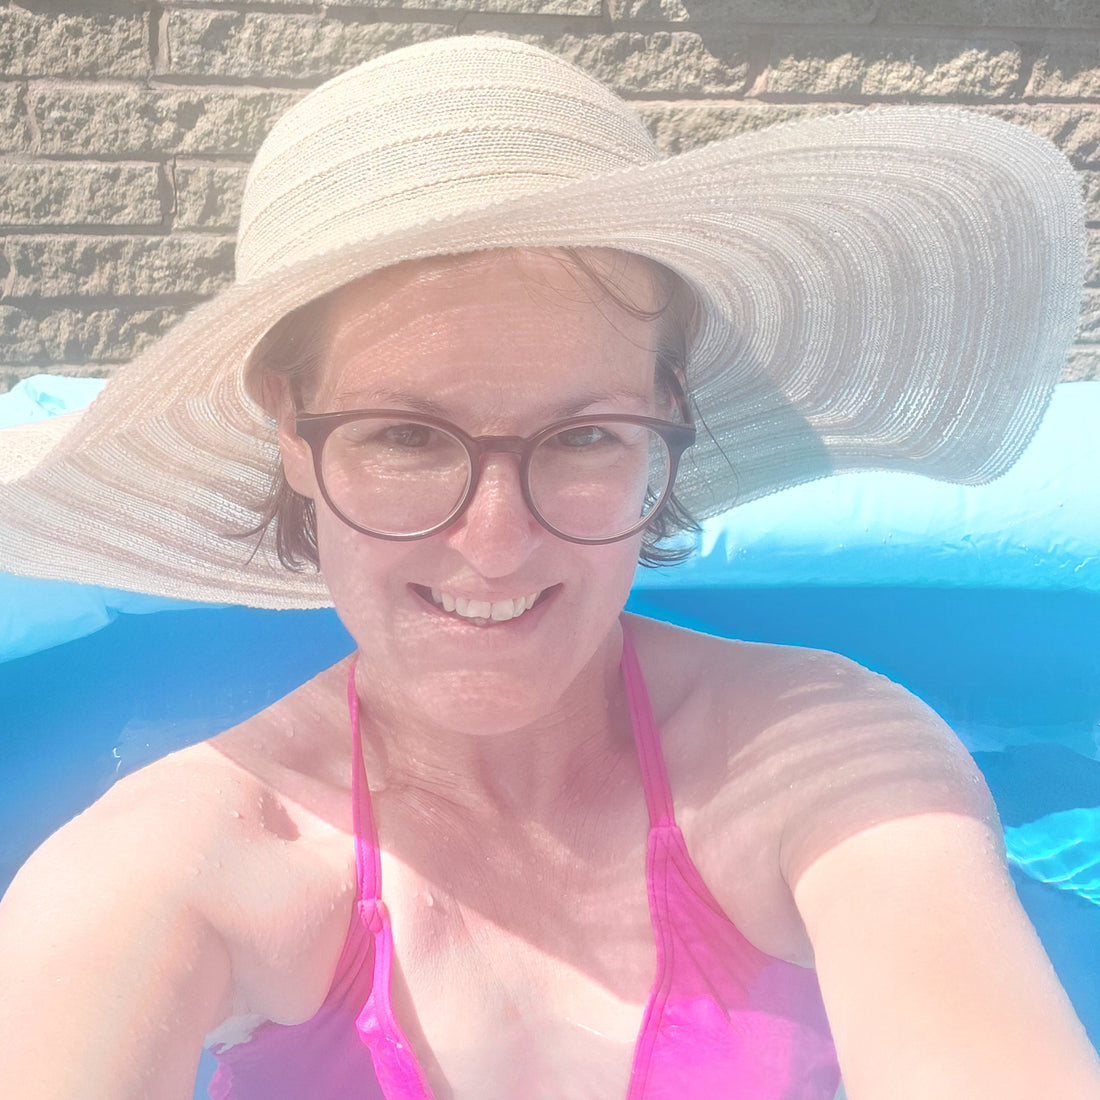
x=778 y=753
x=211 y=834
x=204 y=887
x=278 y=775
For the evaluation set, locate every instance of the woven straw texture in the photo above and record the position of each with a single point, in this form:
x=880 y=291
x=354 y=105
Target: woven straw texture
x=893 y=288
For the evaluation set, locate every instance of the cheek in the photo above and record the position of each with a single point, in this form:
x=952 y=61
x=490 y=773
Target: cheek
x=352 y=564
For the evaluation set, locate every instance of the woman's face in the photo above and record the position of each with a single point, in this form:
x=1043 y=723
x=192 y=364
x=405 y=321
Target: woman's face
x=499 y=344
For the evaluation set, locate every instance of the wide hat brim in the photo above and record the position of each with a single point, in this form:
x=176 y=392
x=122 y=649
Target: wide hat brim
x=893 y=288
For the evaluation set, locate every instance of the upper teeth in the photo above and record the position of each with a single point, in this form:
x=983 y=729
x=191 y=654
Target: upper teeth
x=497 y=610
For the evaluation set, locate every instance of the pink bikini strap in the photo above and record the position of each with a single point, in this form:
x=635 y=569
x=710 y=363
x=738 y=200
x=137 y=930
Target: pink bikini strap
x=658 y=794
x=368 y=860
x=395 y=1064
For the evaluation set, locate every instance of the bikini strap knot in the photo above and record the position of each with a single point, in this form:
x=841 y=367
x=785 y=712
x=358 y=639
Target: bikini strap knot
x=372 y=914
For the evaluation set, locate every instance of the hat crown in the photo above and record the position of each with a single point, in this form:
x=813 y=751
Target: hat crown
x=426 y=133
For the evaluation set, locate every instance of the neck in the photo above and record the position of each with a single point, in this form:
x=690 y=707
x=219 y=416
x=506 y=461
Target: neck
x=531 y=772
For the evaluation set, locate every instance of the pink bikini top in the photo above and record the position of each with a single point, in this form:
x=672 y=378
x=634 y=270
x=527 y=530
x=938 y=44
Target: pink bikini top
x=722 y=1019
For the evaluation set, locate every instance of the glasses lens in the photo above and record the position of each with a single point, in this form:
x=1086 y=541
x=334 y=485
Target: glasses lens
x=394 y=477
x=599 y=479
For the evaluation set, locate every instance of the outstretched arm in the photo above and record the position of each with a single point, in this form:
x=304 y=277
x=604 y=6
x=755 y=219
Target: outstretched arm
x=934 y=981
x=110 y=976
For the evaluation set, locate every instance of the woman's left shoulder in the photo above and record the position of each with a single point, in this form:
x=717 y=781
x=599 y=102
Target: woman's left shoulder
x=812 y=706
x=776 y=753
x=780 y=692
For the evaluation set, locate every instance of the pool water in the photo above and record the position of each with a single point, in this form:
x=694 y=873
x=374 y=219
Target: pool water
x=1016 y=672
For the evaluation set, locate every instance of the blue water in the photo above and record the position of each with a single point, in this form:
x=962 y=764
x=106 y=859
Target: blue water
x=1017 y=673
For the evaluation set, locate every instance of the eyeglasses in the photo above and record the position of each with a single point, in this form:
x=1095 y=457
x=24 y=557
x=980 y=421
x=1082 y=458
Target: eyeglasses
x=587 y=479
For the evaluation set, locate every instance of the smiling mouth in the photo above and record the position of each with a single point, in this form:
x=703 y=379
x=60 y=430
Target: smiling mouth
x=482 y=612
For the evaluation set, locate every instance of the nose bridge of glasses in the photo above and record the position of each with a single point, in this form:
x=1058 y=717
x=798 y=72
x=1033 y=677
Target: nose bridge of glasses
x=482 y=450
x=481 y=446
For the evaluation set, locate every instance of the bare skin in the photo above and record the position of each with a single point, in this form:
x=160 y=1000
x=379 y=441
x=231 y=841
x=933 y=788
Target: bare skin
x=834 y=818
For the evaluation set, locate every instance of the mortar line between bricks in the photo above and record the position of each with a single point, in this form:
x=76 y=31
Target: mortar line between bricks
x=759 y=47
x=364 y=16
x=1072 y=34
x=153 y=29
x=32 y=135
x=69 y=230
x=853 y=31
x=807 y=99
x=212 y=160
x=115 y=160
x=1052 y=101
x=147 y=86
x=98 y=303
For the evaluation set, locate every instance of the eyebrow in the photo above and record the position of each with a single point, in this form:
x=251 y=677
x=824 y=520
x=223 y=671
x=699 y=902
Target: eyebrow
x=430 y=407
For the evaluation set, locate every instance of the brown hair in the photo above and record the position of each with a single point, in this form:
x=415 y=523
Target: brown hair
x=294 y=350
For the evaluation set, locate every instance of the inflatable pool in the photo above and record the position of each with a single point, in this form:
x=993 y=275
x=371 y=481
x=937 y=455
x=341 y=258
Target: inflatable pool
x=984 y=601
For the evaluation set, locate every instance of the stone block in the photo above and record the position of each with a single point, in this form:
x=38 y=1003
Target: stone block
x=11 y=376
x=80 y=194
x=678 y=127
x=194 y=265
x=1066 y=70
x=1088 y=327
x=38 y=334
x=879 y=67
x=67 y=44
x=1092 y=271
x=1083 y=364
x=208 y=196
x=265 y=45
x=1091 y=183
x=746 y=11
x=678 y=62
x=1074 y=129
x=13 y=130
x=120 y=120
x=1047 y=14
x=509 y=7
x=236 y=4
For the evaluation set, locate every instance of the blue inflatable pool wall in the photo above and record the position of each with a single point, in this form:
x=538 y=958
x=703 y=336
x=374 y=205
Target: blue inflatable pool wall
x=985 y=601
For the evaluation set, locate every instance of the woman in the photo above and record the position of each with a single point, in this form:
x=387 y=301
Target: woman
x=522 y=845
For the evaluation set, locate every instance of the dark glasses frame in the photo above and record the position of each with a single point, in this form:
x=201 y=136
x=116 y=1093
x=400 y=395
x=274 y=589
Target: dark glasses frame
x=315 y=428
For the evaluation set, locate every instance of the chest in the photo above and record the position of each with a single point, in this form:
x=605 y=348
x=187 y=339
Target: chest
x=512 y=983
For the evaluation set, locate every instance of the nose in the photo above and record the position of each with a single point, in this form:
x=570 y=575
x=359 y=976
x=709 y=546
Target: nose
x=497 y=532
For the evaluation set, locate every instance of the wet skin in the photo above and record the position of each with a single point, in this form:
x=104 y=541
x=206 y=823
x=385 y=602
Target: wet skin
x=833 y=817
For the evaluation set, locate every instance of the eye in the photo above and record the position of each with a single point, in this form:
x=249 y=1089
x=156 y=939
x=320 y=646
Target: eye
x=407 y=435
x=392 y=440
x=585 y=435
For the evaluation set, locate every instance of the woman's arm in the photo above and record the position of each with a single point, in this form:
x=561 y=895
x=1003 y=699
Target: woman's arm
x=934 y=981
x=110 y=973
x=877 y=855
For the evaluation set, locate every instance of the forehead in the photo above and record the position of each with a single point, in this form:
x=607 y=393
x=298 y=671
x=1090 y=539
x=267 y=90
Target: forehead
x=505 y=322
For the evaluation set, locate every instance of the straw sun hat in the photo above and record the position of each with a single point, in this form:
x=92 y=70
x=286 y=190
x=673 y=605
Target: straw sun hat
x=890 y=288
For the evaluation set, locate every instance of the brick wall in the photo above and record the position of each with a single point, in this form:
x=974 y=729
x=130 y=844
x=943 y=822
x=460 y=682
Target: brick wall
x=126 y=128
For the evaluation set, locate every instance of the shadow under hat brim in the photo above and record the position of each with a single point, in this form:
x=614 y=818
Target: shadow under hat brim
x=867 y=303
